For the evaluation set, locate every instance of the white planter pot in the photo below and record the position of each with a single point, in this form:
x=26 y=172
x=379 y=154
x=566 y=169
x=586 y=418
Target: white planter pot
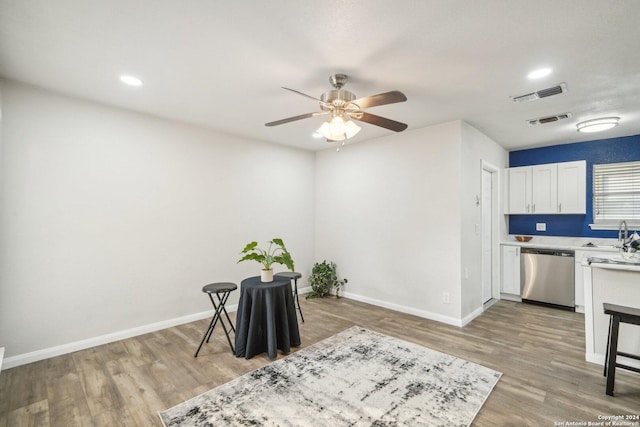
x=266 y=275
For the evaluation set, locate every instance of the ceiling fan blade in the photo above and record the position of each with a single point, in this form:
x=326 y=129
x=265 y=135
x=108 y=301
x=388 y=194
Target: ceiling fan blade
x=324 y=104
x=293 y=119
x=380 y=99
x=380 y=121
x=300 y=93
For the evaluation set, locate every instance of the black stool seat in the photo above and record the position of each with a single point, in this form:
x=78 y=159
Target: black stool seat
x=221 y=290
x=619 y=314
x=293 y=275
x=214 y=288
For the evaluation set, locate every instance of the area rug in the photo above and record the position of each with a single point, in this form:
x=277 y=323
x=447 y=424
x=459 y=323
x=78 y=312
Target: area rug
x=355 y=378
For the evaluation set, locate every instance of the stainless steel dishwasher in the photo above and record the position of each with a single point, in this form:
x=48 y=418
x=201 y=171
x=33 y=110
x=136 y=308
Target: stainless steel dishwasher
x=547 y=277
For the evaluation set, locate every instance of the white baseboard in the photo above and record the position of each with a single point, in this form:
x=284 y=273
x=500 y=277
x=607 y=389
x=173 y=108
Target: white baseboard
x=468 y=318
x=34 y=356
x=46 y=353
x=304 y=290
x=416 y=312
x=595 y=358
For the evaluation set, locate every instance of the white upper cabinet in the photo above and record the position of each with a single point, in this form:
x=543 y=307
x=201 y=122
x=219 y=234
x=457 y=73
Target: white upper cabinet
x=548 y=189
x=572 y=187
x=544 y=189
x=520 y=190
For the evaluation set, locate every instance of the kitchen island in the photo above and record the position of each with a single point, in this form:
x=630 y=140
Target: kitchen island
x=609 y=280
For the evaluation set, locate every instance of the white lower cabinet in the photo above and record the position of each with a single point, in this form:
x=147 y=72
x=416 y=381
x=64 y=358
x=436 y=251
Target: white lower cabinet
x=511 y=270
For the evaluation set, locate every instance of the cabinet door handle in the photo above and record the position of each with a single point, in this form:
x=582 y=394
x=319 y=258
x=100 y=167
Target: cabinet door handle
x=533 y=208
x=528 y=208
x=559 y=207
x=517 y=251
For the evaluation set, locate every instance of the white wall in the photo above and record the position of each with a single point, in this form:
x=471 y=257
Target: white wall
x=111 y=220
x=398 y=215
x=477 y=147
x=388 y=214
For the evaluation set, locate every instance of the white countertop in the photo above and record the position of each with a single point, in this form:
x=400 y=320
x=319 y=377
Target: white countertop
x=624 y=267
x=571 y=243
x=606 y=263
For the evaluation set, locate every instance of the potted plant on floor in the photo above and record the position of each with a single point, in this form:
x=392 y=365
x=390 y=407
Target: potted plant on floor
x=323 y=278
x=276 y=253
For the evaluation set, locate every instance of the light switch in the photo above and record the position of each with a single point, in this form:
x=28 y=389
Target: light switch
x=541 y=226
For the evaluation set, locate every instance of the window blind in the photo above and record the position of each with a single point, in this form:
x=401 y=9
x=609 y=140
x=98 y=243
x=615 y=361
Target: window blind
x=616 y=192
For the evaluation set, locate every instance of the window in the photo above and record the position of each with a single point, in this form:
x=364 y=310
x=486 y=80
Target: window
x=616 y=193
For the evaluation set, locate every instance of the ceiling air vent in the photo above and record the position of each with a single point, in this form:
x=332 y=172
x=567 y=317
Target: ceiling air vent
x=549 y=119
x=555 y=90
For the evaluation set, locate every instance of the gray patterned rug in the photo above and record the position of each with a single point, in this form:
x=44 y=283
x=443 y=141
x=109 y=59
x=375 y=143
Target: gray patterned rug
x=354 y=378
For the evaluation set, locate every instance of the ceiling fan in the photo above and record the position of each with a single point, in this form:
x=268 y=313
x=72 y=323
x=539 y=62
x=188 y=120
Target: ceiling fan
x=343 y=108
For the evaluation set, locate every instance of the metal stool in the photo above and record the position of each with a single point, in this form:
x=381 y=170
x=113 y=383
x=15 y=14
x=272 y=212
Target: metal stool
x=292 y=275
x=222 y=291
x=619 y=314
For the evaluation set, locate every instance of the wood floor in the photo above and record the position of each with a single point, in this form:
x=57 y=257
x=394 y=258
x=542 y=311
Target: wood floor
x=539 y=350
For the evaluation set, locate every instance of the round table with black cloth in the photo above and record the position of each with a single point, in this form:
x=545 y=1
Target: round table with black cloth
x=266 y=318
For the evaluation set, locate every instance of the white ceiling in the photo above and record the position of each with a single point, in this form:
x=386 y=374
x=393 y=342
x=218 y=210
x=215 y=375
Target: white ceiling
x=221 y=64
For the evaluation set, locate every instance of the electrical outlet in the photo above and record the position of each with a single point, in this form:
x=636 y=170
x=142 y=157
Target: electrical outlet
x=445 y=298
x=466 y=273
x=541 y=226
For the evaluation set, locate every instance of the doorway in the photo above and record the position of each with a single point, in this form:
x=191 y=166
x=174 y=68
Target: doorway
x=489 y=230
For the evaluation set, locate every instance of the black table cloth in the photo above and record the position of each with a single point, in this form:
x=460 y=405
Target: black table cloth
x=266 y=318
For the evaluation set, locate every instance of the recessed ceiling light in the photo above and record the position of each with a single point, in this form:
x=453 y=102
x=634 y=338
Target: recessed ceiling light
x=130 y=80
x=598 y=125
x=540 y=73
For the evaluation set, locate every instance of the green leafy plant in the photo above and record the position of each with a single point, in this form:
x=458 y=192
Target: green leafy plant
x=276 y=253
x=323 y=278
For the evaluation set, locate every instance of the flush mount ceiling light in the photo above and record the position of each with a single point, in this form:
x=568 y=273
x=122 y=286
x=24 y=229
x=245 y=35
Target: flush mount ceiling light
x=598 y=125
x=539 y=73
x=130 y=80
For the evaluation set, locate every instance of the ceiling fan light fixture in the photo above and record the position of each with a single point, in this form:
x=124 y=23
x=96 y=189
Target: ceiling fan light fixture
x=351 y=129
x=598 y=125
x=337 y=129
x=343 y=107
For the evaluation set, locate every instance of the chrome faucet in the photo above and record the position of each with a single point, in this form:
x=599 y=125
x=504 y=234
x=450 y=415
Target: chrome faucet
x=626 y=232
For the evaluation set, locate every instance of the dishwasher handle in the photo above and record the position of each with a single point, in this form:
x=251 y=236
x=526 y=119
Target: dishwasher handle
x=551 y=252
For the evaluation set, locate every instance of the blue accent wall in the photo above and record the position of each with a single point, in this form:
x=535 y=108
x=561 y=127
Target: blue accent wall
x=614 y=150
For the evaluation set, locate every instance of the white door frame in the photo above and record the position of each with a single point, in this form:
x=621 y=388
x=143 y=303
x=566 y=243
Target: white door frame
x=495 y=227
